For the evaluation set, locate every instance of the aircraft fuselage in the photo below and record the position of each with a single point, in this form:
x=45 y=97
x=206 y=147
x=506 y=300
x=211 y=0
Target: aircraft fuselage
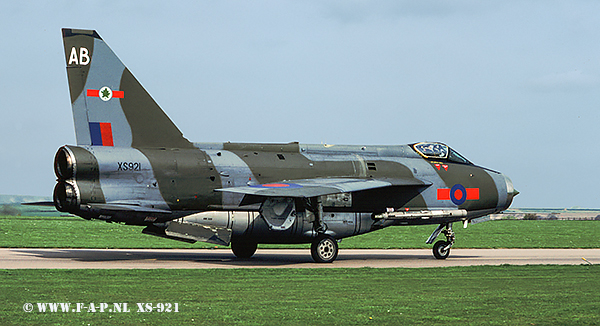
x=184 y=182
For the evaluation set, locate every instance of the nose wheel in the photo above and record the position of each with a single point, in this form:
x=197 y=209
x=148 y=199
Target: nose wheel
x=441 y=249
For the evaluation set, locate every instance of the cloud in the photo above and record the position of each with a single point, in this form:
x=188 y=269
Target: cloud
x=570 y=81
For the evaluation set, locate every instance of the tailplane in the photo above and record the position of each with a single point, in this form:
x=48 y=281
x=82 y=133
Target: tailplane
x=110 y=107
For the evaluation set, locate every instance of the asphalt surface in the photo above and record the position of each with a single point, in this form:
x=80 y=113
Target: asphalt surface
x=16 y=258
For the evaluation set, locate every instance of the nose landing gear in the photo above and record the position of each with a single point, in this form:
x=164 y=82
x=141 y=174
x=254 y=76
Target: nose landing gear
x=441 y=249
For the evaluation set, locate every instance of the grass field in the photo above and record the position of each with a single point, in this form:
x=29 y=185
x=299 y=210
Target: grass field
x=483 y=295
x=74 y=232
x=486 y=295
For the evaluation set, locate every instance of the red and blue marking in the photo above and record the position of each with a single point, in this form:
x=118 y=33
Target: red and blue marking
x=458 y=194
x=277 y=185
x=101 y=134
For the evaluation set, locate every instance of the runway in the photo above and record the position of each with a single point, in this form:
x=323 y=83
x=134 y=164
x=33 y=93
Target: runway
x=32 y=258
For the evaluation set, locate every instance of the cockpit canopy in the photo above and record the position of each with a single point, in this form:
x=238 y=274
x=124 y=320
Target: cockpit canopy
x=439 y=151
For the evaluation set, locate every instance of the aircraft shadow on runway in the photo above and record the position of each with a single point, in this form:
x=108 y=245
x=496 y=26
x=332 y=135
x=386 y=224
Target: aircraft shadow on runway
x=217 y=257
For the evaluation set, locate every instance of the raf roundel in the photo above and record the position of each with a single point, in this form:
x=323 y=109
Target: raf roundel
x=458 y=194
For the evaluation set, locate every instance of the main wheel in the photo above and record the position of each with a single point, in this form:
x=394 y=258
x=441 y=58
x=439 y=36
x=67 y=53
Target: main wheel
x=243 y=248
x=438 y=250
x=324 y=249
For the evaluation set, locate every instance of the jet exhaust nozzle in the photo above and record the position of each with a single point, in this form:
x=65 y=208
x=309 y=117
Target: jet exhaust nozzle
x=65 y=197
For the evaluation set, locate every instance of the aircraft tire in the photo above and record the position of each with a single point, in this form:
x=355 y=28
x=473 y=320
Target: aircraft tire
x=243 y=249
x=324 y=249
x=438 y=250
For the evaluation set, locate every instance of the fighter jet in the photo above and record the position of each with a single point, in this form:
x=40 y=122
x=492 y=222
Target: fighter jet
x=132 y=165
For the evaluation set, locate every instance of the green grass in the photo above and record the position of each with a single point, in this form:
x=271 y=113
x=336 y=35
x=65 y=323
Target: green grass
x=74 y=232
x=484 y=295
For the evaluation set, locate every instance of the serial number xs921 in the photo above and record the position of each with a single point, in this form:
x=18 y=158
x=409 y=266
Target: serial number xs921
x=129 y=166
x=159 y=307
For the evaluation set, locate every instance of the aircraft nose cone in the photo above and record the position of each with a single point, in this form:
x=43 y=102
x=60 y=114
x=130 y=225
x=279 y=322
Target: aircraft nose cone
x=511 y=192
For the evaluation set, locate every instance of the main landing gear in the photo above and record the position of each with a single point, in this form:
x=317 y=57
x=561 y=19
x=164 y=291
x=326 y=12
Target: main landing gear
x=441 y=249
x=243 y=248
x=324 y=248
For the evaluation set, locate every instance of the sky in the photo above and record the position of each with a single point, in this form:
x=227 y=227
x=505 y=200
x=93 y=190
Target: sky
x=511 y=85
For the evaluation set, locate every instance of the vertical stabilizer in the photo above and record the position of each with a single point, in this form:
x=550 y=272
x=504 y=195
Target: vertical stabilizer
x=110 y=107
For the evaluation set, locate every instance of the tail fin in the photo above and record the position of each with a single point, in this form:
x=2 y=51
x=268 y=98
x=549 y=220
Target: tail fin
x=110 y=107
